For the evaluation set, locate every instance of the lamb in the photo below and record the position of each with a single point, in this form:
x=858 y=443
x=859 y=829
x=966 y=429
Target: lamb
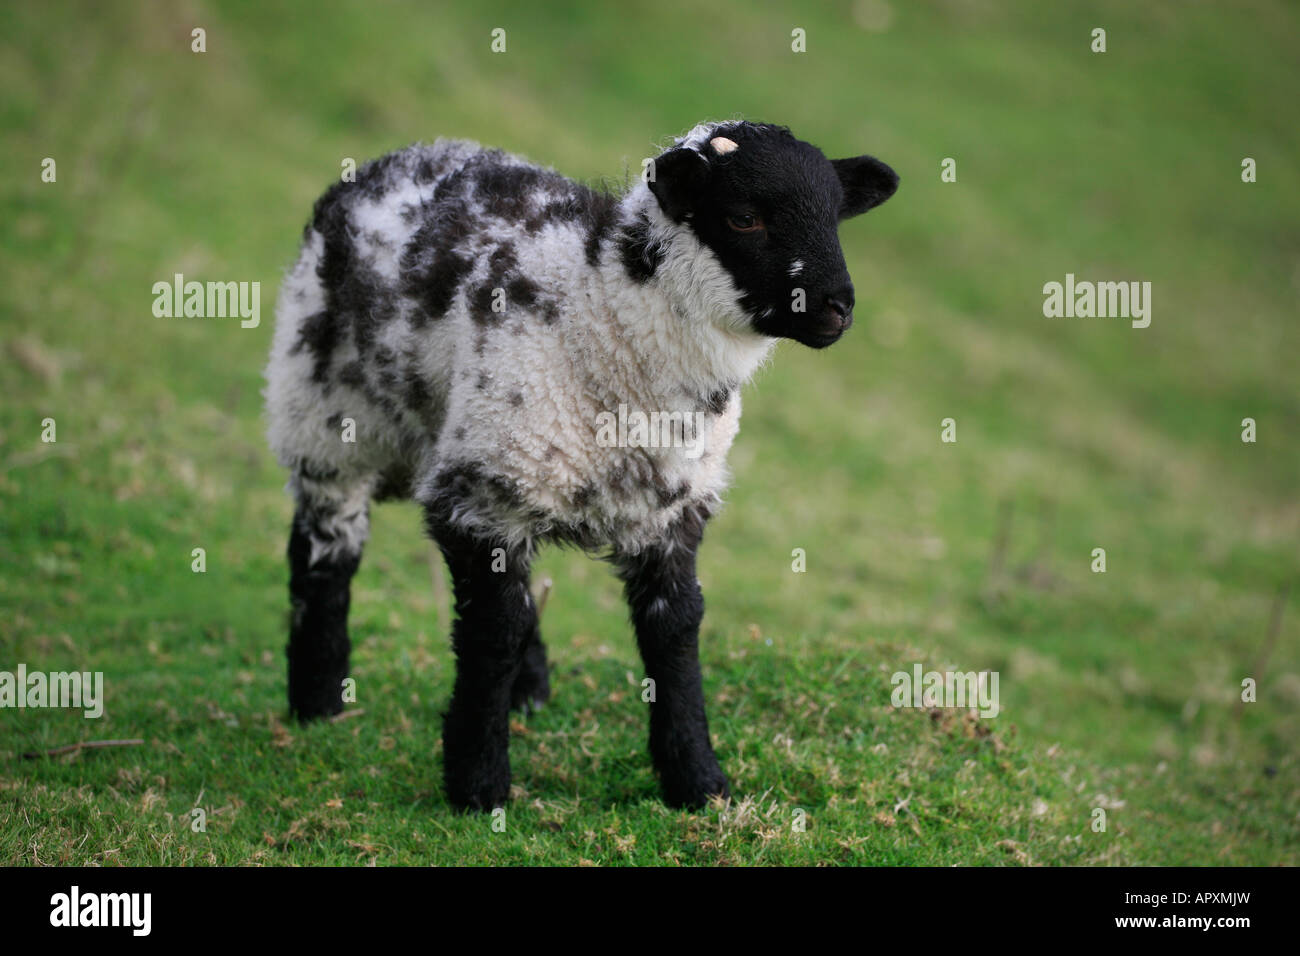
x=457 y=327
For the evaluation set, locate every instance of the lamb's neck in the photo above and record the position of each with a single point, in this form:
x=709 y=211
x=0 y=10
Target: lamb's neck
x=675 y=309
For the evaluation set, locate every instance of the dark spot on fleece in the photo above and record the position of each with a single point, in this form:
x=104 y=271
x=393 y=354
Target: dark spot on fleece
x=378 y=176
x=599 y=220
x=380 y=239
x=415 y=391
x=469 y=483
x=433 y=264
x=635 y=474
x=551 y=452
x=322 y=332
x=523 y=291
x=459 y=433
x=435 y=285
x=329 y=209
x=664 y=496
x=421 y=402
x=425 y=170
x=507 y=191
x=641 y=258
x=356 y=297
x=667 y=497
x=517 y=289
x=565 y=209
x=503 y=259
x=363 y=302
x=353 y=375
x=480 y=300
x=319 y=333
x=457 y=184
x=482 y=383
x=335 y=421
x=550 y=312
x=716 y=401
x=583 y=496
x=532 y=197
x=376 y=309
x=618 y=474
x=516 y=398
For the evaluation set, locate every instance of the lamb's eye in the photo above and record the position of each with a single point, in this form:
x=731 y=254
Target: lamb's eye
x=745 y=223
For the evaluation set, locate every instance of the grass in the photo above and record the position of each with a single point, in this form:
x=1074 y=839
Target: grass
x=1118 y=690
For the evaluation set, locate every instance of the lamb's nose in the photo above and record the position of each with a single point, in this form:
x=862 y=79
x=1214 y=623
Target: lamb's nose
x=841 y=303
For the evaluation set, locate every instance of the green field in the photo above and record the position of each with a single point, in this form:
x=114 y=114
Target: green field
x=1119 y=690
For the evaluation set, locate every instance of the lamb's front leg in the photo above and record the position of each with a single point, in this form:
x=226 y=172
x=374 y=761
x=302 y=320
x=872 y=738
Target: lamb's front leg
x=667 y=606
x=495 y=617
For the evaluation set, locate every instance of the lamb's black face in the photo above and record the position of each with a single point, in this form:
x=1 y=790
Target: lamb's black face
x=769 y=206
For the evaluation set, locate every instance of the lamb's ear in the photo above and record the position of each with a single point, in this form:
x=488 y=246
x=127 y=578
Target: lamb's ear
x=676 y=178
x=867 y=183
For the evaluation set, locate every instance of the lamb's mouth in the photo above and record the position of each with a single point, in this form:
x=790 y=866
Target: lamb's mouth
x=828 y=332
x=819 y=340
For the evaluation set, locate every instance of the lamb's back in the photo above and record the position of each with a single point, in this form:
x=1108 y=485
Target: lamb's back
x=441 y=263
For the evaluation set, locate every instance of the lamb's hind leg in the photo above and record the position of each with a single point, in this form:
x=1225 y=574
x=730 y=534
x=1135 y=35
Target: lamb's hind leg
x=330 y=527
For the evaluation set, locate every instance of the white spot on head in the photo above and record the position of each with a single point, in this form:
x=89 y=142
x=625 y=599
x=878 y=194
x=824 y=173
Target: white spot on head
x=721 y=145
x=796 y=267
x=697 y=137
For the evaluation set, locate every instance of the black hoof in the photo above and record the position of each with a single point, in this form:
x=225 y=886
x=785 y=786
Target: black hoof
x=695 y=792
